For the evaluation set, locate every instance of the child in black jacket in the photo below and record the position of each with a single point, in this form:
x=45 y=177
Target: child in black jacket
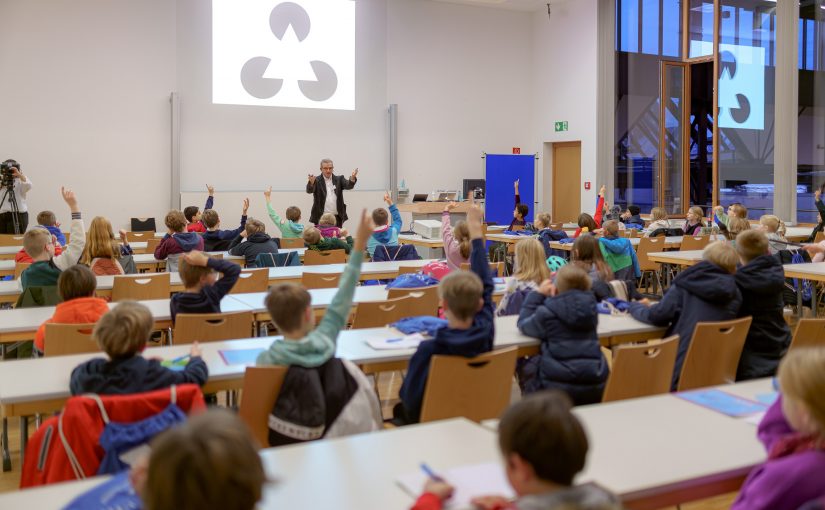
x=219 y=240
x=252 y=242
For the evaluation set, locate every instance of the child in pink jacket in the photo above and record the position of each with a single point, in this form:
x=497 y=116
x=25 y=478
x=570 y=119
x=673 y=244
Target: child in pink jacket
x=456 y=242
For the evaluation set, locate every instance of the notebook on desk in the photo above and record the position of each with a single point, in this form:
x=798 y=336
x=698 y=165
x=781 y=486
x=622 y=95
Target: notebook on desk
x=469 y=481
x=240 y=356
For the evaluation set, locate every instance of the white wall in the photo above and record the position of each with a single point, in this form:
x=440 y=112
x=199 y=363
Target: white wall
x=565 y=88
x=84 y=102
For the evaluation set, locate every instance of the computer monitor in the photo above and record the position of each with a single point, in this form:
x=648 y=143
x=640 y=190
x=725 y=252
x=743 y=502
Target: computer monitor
x=473 y=184
x=420 y=197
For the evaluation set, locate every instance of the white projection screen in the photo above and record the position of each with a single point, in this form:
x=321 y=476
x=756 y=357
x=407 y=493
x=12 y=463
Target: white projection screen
x=296 y=54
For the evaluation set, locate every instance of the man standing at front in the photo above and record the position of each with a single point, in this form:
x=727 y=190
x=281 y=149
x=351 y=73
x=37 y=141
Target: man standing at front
x=328 y=193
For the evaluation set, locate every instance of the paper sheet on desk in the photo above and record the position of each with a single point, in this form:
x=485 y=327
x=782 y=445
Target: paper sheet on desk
x=469 y=482
x=240 y=356
x=722 y=402
x=404 y=342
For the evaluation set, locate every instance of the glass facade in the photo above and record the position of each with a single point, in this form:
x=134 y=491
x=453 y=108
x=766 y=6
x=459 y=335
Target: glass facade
x=811 y=124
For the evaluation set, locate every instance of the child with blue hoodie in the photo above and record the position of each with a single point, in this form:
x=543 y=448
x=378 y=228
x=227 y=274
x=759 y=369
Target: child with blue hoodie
x=177 y=241
x=385 y=234
x=467 y=300
x=619 y=253
x=48 y=220
x=564 y=317
x=289 y=227
x=706 y=292
x=219 y=240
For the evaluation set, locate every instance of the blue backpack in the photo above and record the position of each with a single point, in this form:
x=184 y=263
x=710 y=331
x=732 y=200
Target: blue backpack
x=412 y=280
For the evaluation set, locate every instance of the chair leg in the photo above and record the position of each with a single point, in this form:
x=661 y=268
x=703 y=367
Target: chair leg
x=6 y=453
x=24 y=436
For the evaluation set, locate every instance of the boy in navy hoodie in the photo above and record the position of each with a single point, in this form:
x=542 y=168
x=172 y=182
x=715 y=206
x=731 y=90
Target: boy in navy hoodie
x=219 y=240
x=176 y=241
x=467 y=300
x=202 y=290
x=706 y=292
x=761 y=281
x=564 y=317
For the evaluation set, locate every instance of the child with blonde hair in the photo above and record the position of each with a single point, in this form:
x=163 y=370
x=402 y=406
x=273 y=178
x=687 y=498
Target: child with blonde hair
x=456 y=240
x=103 y=251
x=793 y=432
x=658 y=219
x=694 y=221
x=775 y=229
x=326 y=225
x=736 y=226
x=531 y=270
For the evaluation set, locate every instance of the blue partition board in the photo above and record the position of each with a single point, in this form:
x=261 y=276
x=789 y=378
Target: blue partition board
x=502 y=170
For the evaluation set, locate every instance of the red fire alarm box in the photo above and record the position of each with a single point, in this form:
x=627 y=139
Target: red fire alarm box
x=516 y=150
x=586 y=184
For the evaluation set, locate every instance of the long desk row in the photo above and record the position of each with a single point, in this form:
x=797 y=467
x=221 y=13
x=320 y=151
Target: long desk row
x=652 y=452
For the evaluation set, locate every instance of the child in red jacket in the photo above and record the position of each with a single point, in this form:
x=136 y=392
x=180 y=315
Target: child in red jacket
x=76 y=287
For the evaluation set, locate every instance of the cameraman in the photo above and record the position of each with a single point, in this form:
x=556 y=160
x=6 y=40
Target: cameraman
x=20 y=185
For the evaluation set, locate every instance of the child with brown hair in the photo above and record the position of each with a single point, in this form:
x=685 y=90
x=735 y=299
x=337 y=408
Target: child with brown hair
x=76 y=286
x=589 y=223
x=203 y=291
x=587 y=254
x=122 y=334
x=289 y=227
x=531 y=270
x=761 y=281
x=385 y=233
x=315 y=241
x=215 y=239
x=544 y=447
x=736 y=226
x=793 y=432
x=48 y=220
x=193 y=215
x=253 y=241
x=176 y=241
x=39 y=245
x=467 y=300
x=456 y=240
x=103 y=252
x=564 y=317
x=735 y=210
x=704 y=292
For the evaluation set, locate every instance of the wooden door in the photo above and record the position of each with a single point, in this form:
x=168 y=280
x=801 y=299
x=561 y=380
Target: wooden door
x=567 y=172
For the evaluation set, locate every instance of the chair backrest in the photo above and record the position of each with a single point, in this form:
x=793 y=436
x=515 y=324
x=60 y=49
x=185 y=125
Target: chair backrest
x=317 y=258
x=713 y=354
x=641 y=370
x=11 y=240
x=251 y=280
x=424 y=299
x=629 y=233
x=19 y=267
x=694 y=243
x=649 y=245
x=287 y=258
x=808 y=333
x=212 y=327
x=261 y=386
x=62 y=339
x=497 y=268
x=556 y=226
x=140 y=237
x=475 y=388
x=292 y=242
x=152 y=243
x=820 y=236
x=320 y=280
x=376 y=314
x=143 y=224
x=517 y=228
x=408 y=269
x=141 y=287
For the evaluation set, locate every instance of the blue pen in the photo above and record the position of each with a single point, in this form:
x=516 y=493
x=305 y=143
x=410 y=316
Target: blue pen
x=392 y=340
x=430 y=473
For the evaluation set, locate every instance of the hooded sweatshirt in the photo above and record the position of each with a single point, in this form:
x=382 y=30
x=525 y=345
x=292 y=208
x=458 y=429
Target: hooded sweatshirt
x=386 y=234
x=179 y=242
x=452 y=248
x=570 y=359
x=619 y=253
x=581 y=497
x=257 y=243
x=761 y=282
x=701 y=293
x=288 y=228
x=219 y=240
x=57 y=233
x=475 y=340
x=135 y=374
x=208 y=299
x=329 y=230
x=83 y=310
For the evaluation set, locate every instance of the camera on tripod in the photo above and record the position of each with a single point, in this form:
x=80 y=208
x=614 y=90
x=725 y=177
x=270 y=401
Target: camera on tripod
x=7 y=172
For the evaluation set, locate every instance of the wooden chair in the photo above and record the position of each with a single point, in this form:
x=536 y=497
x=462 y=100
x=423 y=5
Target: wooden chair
x=808 y=333
x=424 y=302
x=641 y=370
x=629 y=233
x=261 y=386
x=409 y=269
x=694 y=243
x=820 y=236
x=139 y=237
x=143 y=224
x=320 y=280
x=151 y=244
x=19 y=267
x=11 y=240
x=319 y=258
x=556 y=226
x=251 y=280
x=497 y=268
x=377 y=314
x=212 y=327
x=474 y=388
x=63 y=339
x=713 y=354
x=651 y=271
x=292 y=242
x=141 y=287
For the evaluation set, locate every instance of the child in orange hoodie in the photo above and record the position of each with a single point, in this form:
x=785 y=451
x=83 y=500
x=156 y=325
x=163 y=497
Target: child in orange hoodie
x=76 y=287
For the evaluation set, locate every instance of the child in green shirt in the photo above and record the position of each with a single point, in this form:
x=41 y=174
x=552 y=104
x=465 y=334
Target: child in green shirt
x=289 y=227
x=314 y=241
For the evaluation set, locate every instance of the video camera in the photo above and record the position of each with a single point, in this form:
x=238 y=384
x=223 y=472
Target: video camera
x=6 y=172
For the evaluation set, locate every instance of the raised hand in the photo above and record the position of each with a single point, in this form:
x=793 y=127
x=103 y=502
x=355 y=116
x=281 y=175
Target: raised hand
x=196 y=258
x=365 y=229
x=601 y=191
x=354 y=175
x=449 y=207
x=245 y=205
x=268 y=194
x=211 y=190
x=311 y=179
x=70 y=198
x=122 y=234
x=515 y=184
x=387 y=198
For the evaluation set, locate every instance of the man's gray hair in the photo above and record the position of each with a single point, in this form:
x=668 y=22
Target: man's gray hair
x=325 y=160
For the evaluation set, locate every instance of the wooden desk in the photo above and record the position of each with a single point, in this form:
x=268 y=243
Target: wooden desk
x=814 y=271
x=426 y=248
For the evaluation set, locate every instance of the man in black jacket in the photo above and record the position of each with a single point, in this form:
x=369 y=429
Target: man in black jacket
x=328 y=193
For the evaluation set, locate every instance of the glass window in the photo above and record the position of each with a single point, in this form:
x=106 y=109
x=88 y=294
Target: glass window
x=811 y=138
x=700 y=28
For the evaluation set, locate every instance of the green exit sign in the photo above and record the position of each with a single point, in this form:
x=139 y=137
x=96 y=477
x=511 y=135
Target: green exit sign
x=561 y=126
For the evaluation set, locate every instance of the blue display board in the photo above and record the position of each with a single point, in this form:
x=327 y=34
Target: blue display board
x=502 y=170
